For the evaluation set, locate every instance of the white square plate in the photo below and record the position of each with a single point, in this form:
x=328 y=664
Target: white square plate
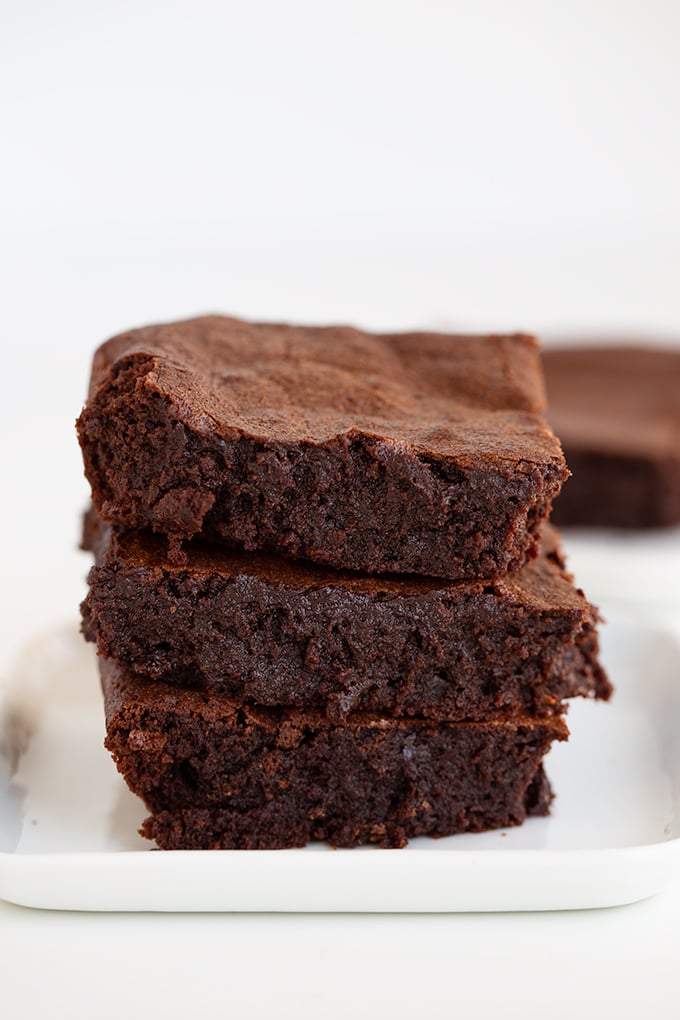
x=68 y=823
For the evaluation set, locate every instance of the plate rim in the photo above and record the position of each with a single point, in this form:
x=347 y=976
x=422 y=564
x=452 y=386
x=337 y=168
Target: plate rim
x=81 y=871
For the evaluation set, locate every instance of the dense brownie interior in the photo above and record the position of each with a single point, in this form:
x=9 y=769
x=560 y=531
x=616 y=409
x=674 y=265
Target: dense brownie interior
x=219 y=775
x=270 y=631
x=418 y=453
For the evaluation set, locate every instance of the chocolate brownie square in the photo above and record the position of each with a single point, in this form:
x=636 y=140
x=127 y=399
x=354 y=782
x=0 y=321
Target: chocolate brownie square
x=266 y=630
x=218 y=775
x=417 y=453
x=617 y=413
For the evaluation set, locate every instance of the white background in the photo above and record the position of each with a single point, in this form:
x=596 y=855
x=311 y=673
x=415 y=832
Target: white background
x=490 y=164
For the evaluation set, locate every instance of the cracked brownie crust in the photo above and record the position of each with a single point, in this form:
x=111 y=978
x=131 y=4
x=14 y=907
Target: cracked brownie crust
x=418 y=453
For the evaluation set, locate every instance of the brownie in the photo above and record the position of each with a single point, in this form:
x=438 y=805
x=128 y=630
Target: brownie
x=270 y=631
x=418 y=453
x=617 y=413
x=218 y=775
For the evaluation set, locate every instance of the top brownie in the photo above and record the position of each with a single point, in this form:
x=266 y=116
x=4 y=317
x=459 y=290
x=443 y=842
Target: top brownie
x=419 y=453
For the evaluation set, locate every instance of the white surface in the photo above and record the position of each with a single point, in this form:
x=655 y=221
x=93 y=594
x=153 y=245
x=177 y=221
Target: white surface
x=613 y=837
x=511 y=165
x=632 y=567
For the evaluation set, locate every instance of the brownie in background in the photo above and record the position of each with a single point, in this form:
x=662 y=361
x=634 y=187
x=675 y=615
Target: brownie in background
x=616 y=411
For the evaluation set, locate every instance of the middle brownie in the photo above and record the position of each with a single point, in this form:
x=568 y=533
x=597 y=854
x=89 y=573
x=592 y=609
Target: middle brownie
x=271 y=631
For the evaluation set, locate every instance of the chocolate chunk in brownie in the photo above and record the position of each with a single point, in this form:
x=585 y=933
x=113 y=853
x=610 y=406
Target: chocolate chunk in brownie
x=270 y=631
x=419 y=453
x=217 y=775
x=617 y=413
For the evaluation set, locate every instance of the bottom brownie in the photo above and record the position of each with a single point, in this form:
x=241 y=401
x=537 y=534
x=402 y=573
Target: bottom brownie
x=219 y=776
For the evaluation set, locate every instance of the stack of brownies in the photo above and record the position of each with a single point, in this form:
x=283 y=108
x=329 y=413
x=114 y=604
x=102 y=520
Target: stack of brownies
x=326 y=600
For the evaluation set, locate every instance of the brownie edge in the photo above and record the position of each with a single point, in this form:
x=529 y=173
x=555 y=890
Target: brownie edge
x=410 y=453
